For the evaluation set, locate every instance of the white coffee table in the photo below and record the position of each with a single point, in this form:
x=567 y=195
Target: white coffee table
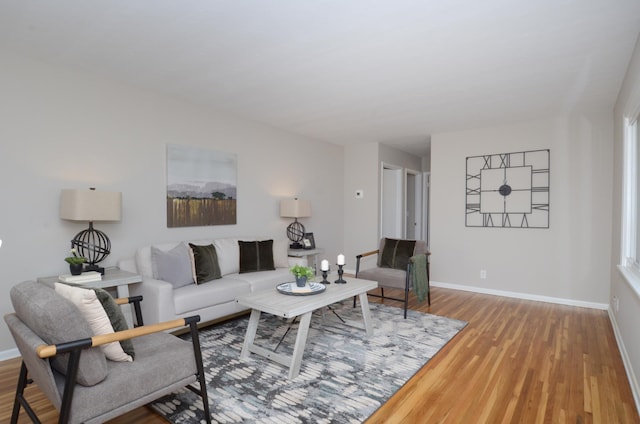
x=276 y=303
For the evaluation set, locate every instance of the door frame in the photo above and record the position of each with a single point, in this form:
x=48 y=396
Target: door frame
x=399 y=206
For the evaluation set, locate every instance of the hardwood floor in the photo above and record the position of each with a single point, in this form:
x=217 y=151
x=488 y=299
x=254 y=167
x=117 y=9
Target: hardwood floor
x=516 y=362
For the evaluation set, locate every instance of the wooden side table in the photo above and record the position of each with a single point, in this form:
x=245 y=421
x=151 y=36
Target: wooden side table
x=310 y=254
x=113 y=277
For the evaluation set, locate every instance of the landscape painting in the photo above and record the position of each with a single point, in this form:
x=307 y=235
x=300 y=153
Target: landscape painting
x=201 y=187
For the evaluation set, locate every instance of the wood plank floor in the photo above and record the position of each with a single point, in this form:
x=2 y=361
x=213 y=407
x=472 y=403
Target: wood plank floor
x=516 y=362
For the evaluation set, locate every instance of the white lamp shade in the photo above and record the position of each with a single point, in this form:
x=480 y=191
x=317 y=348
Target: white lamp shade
x=90 y=205
x=295 y=208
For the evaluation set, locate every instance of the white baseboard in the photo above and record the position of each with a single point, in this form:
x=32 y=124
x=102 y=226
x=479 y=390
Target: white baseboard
x=633 y=382
x=525 y=296
x=9 y=354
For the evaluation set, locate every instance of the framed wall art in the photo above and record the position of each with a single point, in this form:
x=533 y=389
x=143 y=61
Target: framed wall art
x=201 y=187
x=508 y=190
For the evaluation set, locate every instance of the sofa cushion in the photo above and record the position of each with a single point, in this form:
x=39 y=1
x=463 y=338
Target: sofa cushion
x=91 y=308
x=264 y=280
x=116 y=318
x=173 y=266
x=192 y=298
x=206 y=263
x=256 y=256
x=56 y=320
x=396 y=253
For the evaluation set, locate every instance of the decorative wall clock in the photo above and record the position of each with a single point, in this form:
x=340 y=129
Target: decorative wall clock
x=508 y=190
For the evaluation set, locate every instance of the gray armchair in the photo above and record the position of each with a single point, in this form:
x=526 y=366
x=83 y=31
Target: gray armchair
x=61 y=355
x=397 y=267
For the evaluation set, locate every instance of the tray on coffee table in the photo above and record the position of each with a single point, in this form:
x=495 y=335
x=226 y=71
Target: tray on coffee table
x=292 y=289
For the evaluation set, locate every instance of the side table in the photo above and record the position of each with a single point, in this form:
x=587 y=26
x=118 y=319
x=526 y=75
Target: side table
x=113 y=277
x=310 y=254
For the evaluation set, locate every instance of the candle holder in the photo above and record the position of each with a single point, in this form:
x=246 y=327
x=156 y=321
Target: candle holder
x=324 y=277
x=340 y=280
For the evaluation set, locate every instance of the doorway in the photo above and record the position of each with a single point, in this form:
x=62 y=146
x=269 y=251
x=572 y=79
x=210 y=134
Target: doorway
x=413 y=207
x=391 y=202
x=403 y=207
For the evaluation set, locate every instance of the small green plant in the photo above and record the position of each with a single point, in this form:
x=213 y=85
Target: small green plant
x=302 y=271
x=75 y=259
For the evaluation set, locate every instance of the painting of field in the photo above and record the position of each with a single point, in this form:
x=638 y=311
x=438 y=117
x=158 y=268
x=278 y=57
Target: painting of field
x=201 y=187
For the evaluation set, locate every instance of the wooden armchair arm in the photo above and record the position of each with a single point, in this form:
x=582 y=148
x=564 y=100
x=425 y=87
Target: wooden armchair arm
x=136 y=307
x=358 y=257
x=126 y=300
x=46 y=351
x=373 y=252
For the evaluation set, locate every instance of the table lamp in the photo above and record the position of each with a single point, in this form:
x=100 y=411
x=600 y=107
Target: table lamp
x=91 y=205
x=295 y=208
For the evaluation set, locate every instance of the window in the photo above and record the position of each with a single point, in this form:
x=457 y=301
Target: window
x=630 y=258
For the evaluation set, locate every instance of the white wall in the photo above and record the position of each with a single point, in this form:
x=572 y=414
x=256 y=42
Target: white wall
x=361 y=222
x=66 y=129
x=393 y=156
x=568 y=261
x=627 y=318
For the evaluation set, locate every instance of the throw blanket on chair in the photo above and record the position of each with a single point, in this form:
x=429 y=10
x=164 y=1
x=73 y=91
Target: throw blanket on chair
x=419 y=276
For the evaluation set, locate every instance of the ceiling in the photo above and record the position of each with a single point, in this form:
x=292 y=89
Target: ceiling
x=346 y=71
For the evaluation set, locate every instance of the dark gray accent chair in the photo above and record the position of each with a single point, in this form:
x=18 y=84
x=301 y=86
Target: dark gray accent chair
x=61 y=355
x=393 y=277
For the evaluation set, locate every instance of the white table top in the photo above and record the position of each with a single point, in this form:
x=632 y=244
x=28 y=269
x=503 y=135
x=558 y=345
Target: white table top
x=300 y=253
x=112 y=277
x=287 y=306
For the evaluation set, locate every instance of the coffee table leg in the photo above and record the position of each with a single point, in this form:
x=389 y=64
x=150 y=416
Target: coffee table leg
x=366 y=315
x=250 y=336
x=298 y=349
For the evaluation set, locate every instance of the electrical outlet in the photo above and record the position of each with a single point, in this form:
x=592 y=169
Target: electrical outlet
x=483 y=274
x=359 y=194
x=616 y=303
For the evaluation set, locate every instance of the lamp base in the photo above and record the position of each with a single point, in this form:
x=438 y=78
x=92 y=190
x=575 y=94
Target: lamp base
x=296 y=245
x=93 y=267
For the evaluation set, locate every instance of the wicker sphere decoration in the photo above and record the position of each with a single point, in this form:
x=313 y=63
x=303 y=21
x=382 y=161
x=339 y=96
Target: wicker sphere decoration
x=295 y=231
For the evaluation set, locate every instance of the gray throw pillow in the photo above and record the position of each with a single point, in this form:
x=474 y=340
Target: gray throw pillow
x=116 y=318
x=396 y=253
x=173 y=266
x=206 y=263
x=256 y=256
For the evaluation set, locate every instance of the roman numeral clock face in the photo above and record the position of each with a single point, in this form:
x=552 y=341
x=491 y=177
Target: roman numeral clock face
x=508 y=190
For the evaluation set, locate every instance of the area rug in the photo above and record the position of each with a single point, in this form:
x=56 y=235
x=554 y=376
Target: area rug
x=345 y=375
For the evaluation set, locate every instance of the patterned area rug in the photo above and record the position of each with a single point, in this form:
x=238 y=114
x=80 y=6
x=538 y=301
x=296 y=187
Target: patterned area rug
x=344 y=378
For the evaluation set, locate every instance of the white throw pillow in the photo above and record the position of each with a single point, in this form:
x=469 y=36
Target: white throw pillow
x=228 y=255
x=281 y=253
x=91 y=308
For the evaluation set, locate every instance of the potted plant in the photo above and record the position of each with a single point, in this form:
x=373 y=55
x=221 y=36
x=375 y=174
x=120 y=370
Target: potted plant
x=302 y=274
x=75 y=262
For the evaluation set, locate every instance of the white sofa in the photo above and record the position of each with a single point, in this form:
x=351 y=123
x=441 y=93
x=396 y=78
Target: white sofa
x=211 y=300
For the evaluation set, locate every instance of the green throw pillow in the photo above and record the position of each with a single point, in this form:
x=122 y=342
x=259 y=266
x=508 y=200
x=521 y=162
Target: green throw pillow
x=206 y=263
x=396 y=253
x=116 y=318
x=256 y=256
